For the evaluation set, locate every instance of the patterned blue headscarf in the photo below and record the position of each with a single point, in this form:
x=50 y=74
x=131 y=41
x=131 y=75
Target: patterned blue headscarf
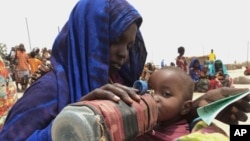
x=80 y=54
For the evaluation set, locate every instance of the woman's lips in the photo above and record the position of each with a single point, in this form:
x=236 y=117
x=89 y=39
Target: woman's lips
x=116 y=66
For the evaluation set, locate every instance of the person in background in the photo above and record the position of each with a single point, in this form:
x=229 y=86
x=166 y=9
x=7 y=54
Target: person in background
x=219 y=72
x=172 y=64
x=211 y=56
x=200 y=78
x=181 y=61
x=23 y=68
x=148 y=69
x=37 y=53
x=34 y=62
x=162 y=63
x=13 y=62
x=95 y=61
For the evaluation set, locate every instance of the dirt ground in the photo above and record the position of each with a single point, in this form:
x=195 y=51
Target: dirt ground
x=233 y=74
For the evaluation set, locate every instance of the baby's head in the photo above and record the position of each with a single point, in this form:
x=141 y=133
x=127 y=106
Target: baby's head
x=173 y=92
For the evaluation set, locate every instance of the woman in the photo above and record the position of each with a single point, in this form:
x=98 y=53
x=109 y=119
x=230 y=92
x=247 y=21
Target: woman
x=86 y=57
x=199 y=76
x=89 y=61
x=219 y=72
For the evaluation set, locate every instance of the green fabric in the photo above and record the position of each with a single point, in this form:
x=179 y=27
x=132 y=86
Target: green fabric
x=203 y=132
x=198 y=136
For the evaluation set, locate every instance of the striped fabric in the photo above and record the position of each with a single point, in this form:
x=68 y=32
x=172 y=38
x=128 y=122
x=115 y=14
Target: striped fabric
x=121 y=121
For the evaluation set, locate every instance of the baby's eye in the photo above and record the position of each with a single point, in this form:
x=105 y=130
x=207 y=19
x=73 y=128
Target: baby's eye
x=166 y=94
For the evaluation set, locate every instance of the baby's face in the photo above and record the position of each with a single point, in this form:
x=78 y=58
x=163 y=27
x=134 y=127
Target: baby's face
x=168 y=88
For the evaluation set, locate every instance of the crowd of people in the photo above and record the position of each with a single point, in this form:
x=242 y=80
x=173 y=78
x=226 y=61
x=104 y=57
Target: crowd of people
x=18 y=71
x=209 y=75
x=102 y=61
x=24 y=64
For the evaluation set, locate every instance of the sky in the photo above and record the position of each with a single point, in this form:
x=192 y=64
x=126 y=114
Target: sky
x=197 y=25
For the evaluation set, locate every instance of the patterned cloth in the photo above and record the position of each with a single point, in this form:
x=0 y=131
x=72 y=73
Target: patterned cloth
x=203 y=132
x=169 y=133
x=8 y=94
x=117 y=121
x=80 y=61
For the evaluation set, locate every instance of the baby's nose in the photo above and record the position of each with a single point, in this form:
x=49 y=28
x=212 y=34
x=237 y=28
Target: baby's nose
x=156 y=98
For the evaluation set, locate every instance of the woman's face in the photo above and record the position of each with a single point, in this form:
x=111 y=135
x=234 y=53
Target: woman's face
x=196 y=64
x=218 y=65
x=119 y=50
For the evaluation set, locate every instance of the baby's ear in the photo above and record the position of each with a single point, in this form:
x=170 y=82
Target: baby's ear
x=186 y=107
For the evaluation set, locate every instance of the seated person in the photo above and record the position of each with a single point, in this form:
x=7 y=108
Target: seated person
x=220 y=75
x=147 y=71
x=219 y=72
x=247 y=71
x=199 y=75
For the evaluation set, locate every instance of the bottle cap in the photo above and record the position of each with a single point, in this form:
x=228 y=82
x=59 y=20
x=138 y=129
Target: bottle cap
x=141 y=85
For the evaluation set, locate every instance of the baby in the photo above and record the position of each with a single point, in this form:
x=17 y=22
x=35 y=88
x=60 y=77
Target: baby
x=173 y=92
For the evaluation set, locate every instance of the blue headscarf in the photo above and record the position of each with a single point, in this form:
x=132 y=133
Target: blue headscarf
x=213 y=70
x=192 y=73
x=80 y=54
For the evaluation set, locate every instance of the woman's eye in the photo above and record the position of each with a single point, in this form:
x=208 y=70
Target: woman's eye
x=117 y=40
x=129 y=46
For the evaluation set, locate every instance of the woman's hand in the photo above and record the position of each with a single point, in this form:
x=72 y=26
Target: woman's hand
x=114 y=92
x=233 y=113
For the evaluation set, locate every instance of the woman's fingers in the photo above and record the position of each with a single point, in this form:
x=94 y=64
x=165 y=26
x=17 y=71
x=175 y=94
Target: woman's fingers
x=233 y=113
x=129 y=93
x=226 y=116
x=239 y=114
x=119 y=91
x=226 y=91
x=243 y=104
x=101 y=94
x=113 y=92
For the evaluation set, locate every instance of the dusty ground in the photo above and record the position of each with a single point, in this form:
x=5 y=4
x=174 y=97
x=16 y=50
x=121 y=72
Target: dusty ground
x=233 y=74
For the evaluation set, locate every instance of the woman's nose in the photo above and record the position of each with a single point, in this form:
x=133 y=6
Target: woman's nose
x=123 y=51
